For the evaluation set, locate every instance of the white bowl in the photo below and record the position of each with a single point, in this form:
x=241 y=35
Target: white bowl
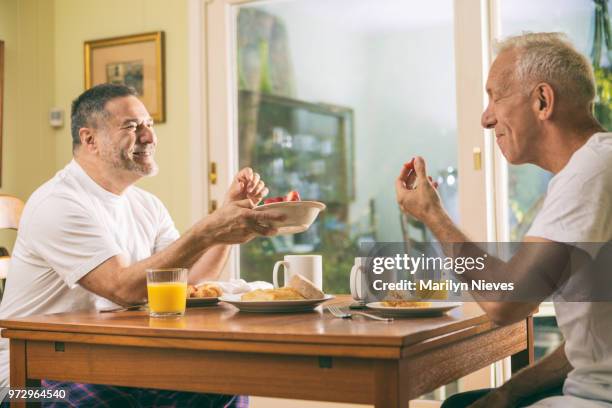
x=300 y=215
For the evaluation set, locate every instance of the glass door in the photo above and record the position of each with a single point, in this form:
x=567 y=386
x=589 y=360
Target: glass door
x=334 y=112
x=331 y=98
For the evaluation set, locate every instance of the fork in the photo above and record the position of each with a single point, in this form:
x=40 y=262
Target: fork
x=337 y=312
x=123 y=308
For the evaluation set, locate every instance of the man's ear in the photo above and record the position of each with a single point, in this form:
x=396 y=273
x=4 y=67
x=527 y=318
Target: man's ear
x=544 y=100
x=88 y=138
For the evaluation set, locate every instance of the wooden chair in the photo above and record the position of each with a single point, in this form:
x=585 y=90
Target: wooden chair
x=10 y=213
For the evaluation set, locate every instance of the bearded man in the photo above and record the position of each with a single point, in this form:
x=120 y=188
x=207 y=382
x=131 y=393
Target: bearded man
x=87 y=235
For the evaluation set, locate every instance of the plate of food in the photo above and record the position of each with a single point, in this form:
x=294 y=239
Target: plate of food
x=203 y=295
x=300 y=295
x=299 y=214
x=411 y=308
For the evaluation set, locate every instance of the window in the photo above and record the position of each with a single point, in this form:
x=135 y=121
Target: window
x=333 y=98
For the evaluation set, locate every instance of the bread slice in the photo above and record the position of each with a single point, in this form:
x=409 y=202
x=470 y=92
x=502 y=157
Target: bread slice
x=265 y=295
x=305 y=287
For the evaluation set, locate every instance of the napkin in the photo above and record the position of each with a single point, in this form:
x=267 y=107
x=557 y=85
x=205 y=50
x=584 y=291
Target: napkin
x=238 y=286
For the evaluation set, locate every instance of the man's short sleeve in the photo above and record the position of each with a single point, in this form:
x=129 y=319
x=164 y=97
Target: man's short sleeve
x=576 y=209
x=69 y=238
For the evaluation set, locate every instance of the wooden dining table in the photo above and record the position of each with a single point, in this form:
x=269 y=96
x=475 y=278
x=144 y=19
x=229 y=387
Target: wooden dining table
x=308 y=356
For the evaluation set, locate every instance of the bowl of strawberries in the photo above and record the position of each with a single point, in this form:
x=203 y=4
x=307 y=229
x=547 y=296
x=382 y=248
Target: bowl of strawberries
x=300 y=214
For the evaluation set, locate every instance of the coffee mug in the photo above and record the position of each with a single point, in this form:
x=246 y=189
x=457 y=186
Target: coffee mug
x=357 y=278
x=309 y=266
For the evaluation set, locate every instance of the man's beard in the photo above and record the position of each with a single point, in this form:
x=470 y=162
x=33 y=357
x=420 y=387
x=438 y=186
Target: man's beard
x=120 y=159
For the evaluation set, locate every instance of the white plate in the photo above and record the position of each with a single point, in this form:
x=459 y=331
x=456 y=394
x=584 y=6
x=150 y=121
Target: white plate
x=202 y=301
x=300 y=215
x=275 y=306
x=435 y=309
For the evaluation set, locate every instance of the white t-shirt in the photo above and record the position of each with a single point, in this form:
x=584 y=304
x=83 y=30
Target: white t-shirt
x=578 y=209
x=69 y=226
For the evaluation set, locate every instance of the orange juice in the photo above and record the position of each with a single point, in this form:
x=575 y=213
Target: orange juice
x=177 y=322
x=167 y=297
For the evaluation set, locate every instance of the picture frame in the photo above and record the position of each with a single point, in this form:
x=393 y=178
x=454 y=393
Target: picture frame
x=134 y=60
x=1 y=102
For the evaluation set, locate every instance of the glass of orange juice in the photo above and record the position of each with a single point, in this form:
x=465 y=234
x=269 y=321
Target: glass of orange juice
x=167 y=290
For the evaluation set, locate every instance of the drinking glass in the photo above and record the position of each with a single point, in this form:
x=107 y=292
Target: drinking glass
x=167 y=290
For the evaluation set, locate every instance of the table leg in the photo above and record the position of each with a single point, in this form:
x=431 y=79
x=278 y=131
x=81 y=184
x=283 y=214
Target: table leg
x=19 y=373
x=525 y=357
x=389 y=388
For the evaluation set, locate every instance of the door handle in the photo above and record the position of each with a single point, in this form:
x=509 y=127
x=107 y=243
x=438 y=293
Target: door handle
x=477 y=158
x=213 y=176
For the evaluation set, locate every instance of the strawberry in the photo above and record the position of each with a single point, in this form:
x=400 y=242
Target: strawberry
x=274 y=200
x=293 y=196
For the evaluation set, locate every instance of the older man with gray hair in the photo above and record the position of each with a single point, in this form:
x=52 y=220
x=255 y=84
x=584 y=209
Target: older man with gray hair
x=541 y=93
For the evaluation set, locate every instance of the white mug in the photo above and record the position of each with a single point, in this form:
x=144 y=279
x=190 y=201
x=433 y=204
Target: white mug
x=309 y=266
x=357 y=278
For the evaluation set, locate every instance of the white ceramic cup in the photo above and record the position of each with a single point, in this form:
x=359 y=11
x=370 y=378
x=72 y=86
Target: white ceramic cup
x=309 y=266
x=357 y=279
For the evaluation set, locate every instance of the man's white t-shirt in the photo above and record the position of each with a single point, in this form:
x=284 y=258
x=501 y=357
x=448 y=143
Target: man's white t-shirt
x=578 y=209
x=69 y=226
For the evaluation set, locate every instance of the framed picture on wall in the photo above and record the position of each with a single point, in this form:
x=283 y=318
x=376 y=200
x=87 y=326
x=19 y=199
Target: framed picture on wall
x=133 y=60
x=1 y=101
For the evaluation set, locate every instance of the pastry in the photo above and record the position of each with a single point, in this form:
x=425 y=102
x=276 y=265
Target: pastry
x=405 y=303
x=264 y=295
x=204 y=291
x=305 y=287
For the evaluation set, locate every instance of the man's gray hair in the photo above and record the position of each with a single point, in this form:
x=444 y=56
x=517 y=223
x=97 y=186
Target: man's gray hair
x=551 y=58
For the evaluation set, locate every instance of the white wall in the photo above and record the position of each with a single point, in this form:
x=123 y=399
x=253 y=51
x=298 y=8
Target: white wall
x=27 y=138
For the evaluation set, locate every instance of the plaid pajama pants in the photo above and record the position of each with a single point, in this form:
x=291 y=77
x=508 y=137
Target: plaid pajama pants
x=98 y=396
